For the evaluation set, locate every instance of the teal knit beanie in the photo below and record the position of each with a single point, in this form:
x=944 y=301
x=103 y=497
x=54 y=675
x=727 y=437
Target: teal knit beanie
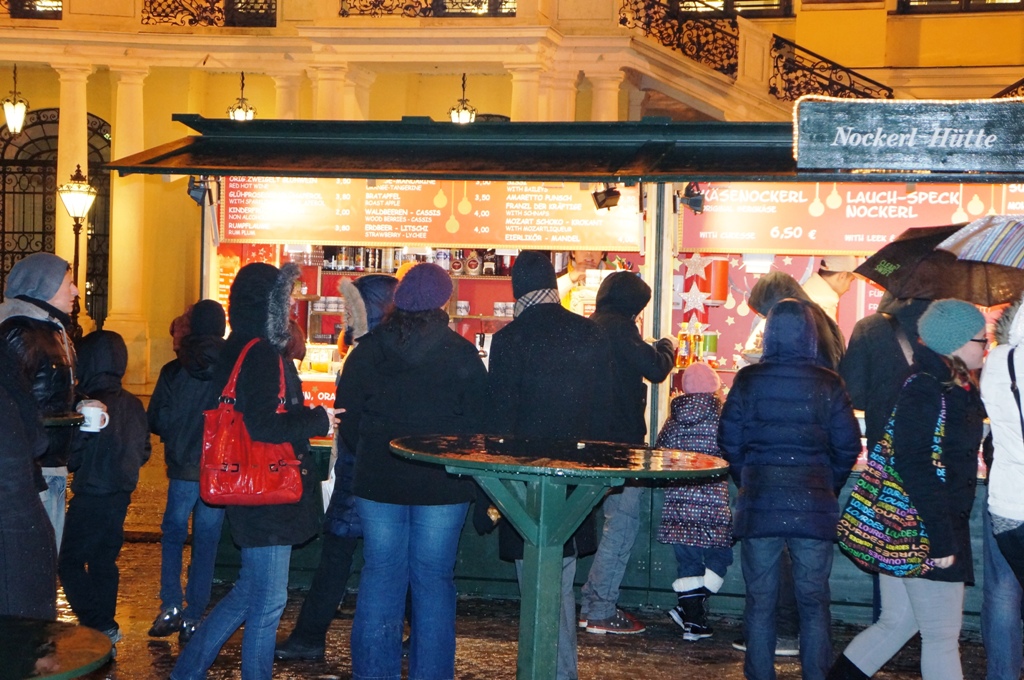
x=947 y=325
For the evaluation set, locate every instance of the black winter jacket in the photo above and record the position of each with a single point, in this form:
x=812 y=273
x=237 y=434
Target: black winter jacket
x=548 y=379
x=428 y=382
x=258 y=307
x=35 y=331
x=874 y=367
x=108 y=461
x=621 y=297
x=789 y=434
x=179 y=398
x=945 y=507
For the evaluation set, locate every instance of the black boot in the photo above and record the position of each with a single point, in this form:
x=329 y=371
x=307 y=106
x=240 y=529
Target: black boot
x=844 y=669
x=691 y=614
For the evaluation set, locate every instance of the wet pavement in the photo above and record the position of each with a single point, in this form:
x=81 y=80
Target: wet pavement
x=486 y=629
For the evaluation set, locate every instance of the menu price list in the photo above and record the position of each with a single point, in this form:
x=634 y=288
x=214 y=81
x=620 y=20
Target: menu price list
x=382 y=212
x=832 y=216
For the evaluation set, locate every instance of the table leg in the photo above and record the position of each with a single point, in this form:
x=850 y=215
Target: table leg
x=549 y=517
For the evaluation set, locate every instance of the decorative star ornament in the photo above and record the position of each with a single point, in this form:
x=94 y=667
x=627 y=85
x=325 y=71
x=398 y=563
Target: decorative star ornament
x=734 y=262
x=787 y=260
x=696 y=263
x=738 y=347
x=694 y=299
x=676 y=264
x=729 y=320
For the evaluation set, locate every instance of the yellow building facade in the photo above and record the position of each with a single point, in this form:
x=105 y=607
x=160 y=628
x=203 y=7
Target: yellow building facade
x=130 y=64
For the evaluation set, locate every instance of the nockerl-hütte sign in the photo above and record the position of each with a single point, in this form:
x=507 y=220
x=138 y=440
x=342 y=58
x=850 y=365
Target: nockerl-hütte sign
x=908 y=134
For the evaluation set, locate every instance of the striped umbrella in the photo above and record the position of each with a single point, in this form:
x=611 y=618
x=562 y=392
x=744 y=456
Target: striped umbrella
x=997 y=239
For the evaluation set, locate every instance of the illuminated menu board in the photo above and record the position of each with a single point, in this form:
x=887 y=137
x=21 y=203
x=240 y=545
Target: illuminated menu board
x=557 y=216
x=819 y=218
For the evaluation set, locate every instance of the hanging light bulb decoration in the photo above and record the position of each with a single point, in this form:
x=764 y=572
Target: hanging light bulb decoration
x=462 y=112
x=241 y=109
x=15 y=108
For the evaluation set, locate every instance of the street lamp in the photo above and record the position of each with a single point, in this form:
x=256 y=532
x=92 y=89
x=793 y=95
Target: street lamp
x=77 y=196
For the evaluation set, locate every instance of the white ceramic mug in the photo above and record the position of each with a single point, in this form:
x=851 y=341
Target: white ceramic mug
x=462 y=307
x=95 y=419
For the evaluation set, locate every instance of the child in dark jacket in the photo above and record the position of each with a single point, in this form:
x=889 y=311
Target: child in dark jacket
x=182 y=391
x=106 y=470
x=695 y=518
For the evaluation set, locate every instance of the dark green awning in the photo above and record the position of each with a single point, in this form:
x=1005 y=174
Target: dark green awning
x=649 y=151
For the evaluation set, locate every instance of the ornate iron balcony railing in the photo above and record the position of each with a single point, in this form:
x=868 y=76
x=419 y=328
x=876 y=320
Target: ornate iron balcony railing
x=236 y=13
x=429 y=8
x=1015 y=90
x=704 y=33
x=797 y=72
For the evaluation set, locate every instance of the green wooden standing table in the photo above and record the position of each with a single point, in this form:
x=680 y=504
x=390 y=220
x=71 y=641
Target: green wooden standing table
x=545 y=488
x=56 y=650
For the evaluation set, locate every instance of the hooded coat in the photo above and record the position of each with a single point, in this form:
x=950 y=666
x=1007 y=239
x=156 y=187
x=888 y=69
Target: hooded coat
x=789 y=434
x=1006 y=474
x=401 y=381
x=874 y=367
x=621 y=297
x=258 y=308
x=175 y=411
x=108 y=461
x=28 y=554
x=35 y=331
x=366 y=302
x=944 y=506
x=776 y=286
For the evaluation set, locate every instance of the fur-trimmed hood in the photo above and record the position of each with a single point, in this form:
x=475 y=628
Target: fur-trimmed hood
x=258 y=306
x=1010 y=326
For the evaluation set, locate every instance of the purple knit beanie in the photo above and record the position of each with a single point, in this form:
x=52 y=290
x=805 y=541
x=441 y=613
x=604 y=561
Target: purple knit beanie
x=425 y=286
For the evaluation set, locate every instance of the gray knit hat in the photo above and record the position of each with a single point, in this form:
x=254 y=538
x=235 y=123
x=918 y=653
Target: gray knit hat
x=38 y=276
x=947 y=325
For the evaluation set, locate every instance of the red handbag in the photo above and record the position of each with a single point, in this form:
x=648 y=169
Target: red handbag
x=235 y=470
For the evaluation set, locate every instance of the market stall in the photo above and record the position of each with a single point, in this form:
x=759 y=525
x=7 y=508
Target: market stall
x=865 y=174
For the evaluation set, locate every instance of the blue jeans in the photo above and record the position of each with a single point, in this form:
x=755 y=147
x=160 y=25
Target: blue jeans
x=1000 y=611
x=406 y=548
x=600 y=593
x=812 y=564
x=257 y=600
x=183 y=501
x=693 y=561
x=55 y=501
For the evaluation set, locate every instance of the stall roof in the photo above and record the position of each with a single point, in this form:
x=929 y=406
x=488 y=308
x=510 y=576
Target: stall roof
x=419 y=148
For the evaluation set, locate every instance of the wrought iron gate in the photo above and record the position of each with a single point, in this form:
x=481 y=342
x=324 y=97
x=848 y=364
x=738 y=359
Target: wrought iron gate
x=27 y=194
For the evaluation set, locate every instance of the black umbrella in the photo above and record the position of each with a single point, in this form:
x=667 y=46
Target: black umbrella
x=910 y=267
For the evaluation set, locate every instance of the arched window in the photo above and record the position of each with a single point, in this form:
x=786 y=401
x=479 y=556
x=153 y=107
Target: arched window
x=28 y=199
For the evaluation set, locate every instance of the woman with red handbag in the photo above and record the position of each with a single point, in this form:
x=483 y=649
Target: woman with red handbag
x=258 y=309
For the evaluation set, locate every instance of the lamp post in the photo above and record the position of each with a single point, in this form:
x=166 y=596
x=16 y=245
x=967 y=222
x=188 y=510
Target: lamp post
x=77 y=196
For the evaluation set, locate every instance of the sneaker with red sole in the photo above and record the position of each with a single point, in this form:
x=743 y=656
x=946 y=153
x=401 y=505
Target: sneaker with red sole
x=622 y=623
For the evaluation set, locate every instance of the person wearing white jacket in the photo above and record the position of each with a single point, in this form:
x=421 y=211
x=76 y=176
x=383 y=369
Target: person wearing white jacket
x=1006 y=478
x=1001 y=604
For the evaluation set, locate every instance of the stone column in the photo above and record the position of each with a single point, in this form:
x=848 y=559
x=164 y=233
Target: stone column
x=287 y=96
x=605 y=106
x=127 y=204
x=355 y=99
x=562 y=97
x=330 y=90
x=525 y=93
x=72 y=151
